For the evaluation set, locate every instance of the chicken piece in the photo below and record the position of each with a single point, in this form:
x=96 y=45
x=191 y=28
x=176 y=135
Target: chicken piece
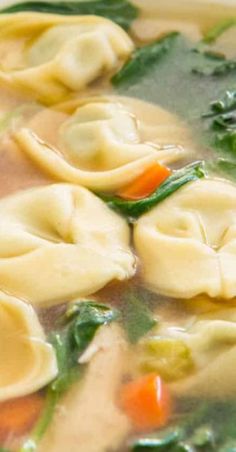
x=88 y=419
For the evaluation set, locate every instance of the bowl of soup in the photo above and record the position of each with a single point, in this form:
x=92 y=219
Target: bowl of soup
x=118 y=226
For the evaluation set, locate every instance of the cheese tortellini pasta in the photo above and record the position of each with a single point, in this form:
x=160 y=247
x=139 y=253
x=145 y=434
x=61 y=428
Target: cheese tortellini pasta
x=100 y=147
x=28 y=362
x=60 y=241
x=50 y=56
x=194 y=356
x=212 y=341
x=187 y=244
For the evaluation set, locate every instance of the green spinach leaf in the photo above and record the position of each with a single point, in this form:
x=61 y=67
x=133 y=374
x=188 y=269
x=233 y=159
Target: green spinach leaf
x=120 y=11
x=80 y=325
x=221 y=106
x=212 y=64
x=214 y=33
x=152 y=444
x=210 y=427
x=143 y=59
x=172 y=83
x=137 y=317
x=222 y=126
x=134 y=209
x=168 y=79
x=222 y=167
x=226 y=142
x=82 y=322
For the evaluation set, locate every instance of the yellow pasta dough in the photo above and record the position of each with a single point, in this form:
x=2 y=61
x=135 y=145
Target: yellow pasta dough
x=60 y=241
x=28 y=362
x=212 y=341
x=101 y=147
x=187 y=244
x=50 y=56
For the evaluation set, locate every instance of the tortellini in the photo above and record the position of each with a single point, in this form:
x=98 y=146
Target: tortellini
x=60 y=241
x=50 y=56
x=212 y=341
x=101 y=147
x=194 y=354
x=28 y=362
x=187 y=244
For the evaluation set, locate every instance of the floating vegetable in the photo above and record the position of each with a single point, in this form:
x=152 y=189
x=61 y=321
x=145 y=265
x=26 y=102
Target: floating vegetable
x=17 y=416
x=135 y=209
x=137 y=317
x=210 y=428
x=80 y=325
x=213 y=64
x=169 y=357
x=143 y=59
x=217 y=30
x=120 y=11
x=147 y=183
x=222 y=123
x=147 y=402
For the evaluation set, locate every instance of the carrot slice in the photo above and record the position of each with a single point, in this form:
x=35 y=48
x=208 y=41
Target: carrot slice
x=147 y=183
x=17 y=416
x=147 y=403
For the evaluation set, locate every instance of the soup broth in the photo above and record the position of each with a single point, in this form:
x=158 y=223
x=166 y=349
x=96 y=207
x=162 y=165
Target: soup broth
x=117 y=226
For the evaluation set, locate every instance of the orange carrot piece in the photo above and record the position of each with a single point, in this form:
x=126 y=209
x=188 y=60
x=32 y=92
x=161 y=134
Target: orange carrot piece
x=17 y=416
x=147 y=403
x=147 y=183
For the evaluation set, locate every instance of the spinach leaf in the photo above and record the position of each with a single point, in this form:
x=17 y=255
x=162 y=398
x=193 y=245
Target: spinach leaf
x=152 y=444
x=221 y=106
x=209 y=427
x=143 y=59
x=83 y=320
x=169 y=80
x=172 y=442
x=223 y=168
x=172 y=84
x=120 y=11
x=137 y=317
x=80 y=325
x=31 y=444
x=212 y=64
x=226 y=141
x=222 y=125
x=214 y=33
x=179 y=178
x=213 y=67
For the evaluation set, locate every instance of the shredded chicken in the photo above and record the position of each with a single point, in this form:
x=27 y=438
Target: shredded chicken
x=88 y=418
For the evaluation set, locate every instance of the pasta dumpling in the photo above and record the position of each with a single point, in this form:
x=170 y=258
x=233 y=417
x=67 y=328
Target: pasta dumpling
x=27 y=363
x=50 y=56
x=212 y=341
x=187 y=244
x=194 y=356
x=101 y=148
x=60 y=241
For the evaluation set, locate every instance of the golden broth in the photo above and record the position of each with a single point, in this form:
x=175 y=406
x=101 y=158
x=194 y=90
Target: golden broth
x=89 y=414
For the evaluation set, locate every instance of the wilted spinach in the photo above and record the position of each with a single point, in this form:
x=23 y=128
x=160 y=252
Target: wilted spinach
x=120 y=11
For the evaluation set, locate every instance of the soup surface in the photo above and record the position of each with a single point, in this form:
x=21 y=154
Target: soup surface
x=118 y=226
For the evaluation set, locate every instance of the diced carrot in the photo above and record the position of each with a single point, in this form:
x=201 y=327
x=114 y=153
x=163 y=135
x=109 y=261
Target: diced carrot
x=147 y=183
x=17 y=416
x=147 y=403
